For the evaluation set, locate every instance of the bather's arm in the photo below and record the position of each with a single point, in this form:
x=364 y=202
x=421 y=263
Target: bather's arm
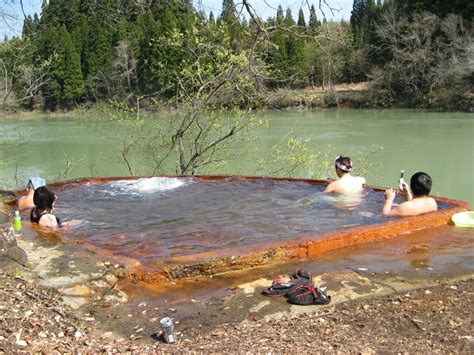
x=387 y=207
x=405 y=191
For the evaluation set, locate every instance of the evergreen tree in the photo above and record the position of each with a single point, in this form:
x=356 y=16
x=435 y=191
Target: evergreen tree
x=36 y=23
x=212 y=20
x=301 y=20
x=149 y=30
x=62 y=12
x=289 y=21
x=72 y=80
x=280 y=15
x=287 y=57
x=98 y=51
x=228 y=14
x=313 y=20
x=47 y=45
x=67 y=83
x=230 y=22
x=364 y=15
x=28 y=27
x=441 y=8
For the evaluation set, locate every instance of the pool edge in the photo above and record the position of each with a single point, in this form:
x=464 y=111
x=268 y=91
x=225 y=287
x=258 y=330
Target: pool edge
x=208 y=264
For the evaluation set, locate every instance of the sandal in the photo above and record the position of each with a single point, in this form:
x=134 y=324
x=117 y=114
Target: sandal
x=282 y=288
x=309 y=295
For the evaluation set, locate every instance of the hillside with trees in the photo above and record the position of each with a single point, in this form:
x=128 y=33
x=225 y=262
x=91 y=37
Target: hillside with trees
x=413 y=53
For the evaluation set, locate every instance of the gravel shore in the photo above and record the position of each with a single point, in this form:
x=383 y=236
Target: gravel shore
x=430 y=320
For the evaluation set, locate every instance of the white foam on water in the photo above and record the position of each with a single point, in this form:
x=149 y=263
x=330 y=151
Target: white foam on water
x=148 y=185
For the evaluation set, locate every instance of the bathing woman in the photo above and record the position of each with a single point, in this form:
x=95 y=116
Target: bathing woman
x=417 y=198
x=43 y=212
x=346 y=182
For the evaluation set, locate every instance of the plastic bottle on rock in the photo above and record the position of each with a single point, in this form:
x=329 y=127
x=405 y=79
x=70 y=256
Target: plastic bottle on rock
x=17 y=227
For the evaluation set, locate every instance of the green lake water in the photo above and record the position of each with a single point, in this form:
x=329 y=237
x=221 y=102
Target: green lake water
x=440 y=144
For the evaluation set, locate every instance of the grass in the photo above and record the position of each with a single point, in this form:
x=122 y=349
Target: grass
x=18 y=273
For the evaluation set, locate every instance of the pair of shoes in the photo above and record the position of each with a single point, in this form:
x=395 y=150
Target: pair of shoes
x=308 y=295
x=282 y=288
x=299 y=289
x=302 y=274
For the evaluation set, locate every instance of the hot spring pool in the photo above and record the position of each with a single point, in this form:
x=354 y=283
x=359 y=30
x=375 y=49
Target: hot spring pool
x=158 y=218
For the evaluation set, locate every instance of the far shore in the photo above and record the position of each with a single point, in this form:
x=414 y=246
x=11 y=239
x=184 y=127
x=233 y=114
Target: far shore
x=347 y=95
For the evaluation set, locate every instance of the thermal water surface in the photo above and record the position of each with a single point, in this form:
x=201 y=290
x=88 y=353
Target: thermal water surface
x=159 y=217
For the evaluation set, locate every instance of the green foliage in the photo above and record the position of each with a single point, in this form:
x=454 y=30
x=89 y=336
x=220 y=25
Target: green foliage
x=289 y=21
x=228 y=14
x=365 y=164
x=330 y=99
x=293 y=157
x=285 y=58
x=66 y=85
x=93 y=51
x=18 y=273
x=70 y=73
x=440 y=8
x=198 y=136
x=430 y=61
x=290 y=157
x=98 y=50
x=301 y=20
x=313 y=20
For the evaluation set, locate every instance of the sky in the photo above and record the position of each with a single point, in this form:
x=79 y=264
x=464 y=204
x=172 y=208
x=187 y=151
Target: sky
x=267 y=8
x=11 y=25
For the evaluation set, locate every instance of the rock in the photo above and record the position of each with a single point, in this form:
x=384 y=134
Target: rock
x=7 y=239
x=9 y=250
x=18 y=255
x=21 y=343
x=106 y=335
x=77 y=334
x=111 y=279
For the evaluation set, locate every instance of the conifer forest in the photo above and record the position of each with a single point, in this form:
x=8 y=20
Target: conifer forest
x=413 y=53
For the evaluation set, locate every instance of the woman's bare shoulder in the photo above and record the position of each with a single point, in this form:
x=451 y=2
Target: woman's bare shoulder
x=48 y=220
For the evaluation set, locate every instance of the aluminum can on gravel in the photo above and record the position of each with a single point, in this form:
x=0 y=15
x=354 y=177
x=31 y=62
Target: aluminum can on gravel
x=169 y=333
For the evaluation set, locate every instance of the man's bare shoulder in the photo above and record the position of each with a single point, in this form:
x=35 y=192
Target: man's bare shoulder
x=417 y=206
x=332 y=187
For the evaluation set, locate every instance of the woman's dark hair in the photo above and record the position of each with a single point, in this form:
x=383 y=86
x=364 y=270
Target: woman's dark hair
x=420 y=184
x=43 y=199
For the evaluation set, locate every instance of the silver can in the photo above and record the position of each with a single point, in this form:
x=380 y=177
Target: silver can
x=169 y=333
